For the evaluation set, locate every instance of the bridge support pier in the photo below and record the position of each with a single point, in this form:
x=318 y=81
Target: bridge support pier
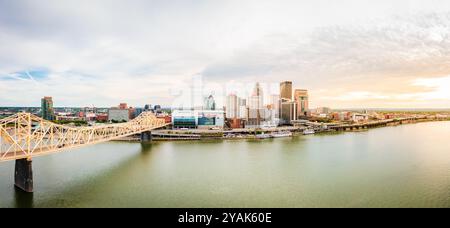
x=23 y=175
x=146 y=136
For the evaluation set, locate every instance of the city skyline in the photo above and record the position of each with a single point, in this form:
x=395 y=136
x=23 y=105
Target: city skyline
x=348 y=54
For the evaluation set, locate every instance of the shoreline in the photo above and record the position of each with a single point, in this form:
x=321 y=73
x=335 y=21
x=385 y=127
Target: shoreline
x=295 y=133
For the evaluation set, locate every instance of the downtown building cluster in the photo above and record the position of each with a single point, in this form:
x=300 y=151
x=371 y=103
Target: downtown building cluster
x=280 y=109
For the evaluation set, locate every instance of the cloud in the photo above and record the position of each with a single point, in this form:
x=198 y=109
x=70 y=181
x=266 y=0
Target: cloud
x=105 y=52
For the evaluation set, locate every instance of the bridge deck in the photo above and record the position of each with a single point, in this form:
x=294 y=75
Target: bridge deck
x=25 y=135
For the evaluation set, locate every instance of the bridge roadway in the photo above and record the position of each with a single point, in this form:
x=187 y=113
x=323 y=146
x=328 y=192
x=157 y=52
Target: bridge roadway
x=372 y=124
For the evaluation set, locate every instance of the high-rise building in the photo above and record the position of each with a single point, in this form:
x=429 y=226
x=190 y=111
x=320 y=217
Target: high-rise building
x=257 y=98
x=47 y=110
x=275 y=106
x=243 y=112
x=256 y=110
x=301 y=98
x=232 y=106
x=286 y=90
x=288 y=111
x=209 y=103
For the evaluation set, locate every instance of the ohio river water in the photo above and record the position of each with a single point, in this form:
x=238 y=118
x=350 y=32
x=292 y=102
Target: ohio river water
x=403 y=166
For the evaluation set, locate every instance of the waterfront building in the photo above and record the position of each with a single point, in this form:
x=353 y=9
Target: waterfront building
x=198 y=119
x=286 y=90
x=184 y=119
x=210 y=119
x=47 y=110
x=301 y=98
x=117 y=114
x=237 y=123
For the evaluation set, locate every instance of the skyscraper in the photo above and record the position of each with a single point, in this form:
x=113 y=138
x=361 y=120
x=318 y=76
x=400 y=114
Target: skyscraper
x=301 y=98
x=209 y=103
x=286 y=90
x=232 y=106
x=288 y=111
x=256 y=101
x=256 y=106
x=47 y=108
x=275 y=106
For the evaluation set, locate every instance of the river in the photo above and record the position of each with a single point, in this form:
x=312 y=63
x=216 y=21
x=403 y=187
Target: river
x=402 y=166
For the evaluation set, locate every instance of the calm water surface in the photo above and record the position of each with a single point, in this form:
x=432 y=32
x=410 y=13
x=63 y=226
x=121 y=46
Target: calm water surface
x=404 y=166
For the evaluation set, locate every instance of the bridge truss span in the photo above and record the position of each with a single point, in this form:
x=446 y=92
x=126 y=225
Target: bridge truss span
x=25 y=135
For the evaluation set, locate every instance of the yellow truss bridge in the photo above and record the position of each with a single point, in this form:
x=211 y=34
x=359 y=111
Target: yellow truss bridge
x=25 y=135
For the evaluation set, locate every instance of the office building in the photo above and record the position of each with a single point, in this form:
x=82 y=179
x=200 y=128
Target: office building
x=47 y=110
x=256 y=112
x=286 y=90
x=209 y=103
x=232 y=106
x=301 y=98
x=197 y=119
x=275 y=106
x=119 y=115
x=243 y=112
x=288 y=111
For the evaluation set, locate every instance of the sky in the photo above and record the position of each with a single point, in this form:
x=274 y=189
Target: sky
x=347 y=53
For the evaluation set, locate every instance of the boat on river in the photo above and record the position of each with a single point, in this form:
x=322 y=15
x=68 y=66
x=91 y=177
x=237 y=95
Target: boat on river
x=263 y=136
x=281 y=134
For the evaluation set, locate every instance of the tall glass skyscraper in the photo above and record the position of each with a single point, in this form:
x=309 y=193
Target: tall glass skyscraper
x=47 y=108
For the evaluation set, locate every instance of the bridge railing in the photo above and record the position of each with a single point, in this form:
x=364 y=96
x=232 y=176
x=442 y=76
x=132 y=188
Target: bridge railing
x=25 y=135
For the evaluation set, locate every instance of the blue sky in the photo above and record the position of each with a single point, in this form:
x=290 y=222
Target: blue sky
x=348 y=54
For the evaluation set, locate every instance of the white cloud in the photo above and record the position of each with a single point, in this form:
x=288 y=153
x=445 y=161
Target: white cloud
x=105 y=52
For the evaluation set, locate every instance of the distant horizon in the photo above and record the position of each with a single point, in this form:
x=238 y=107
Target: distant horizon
x=338 y=109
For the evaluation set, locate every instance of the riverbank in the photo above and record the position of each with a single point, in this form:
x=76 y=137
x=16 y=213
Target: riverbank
x=245 y=134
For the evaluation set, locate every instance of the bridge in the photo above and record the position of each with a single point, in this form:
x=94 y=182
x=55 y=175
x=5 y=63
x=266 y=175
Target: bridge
x=373 y=124
x=24 y=136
